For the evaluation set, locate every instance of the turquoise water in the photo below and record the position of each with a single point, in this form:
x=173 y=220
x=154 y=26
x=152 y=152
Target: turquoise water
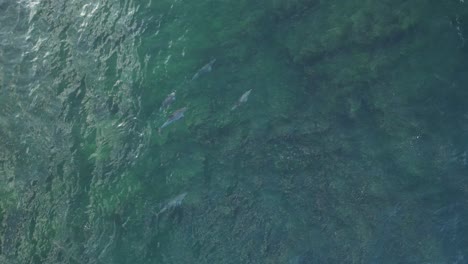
x=350 y=148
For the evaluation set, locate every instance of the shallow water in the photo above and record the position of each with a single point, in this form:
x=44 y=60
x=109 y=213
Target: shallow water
x=350 y=148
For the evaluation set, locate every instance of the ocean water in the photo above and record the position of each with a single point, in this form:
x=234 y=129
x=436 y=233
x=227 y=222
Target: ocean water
x=351 y=146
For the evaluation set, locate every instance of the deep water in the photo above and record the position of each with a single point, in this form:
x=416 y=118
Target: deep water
x=352 y=146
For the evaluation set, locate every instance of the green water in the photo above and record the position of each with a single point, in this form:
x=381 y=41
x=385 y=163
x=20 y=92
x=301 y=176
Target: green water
x=351 y=148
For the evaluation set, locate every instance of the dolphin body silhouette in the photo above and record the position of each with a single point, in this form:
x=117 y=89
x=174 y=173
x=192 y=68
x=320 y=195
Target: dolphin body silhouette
x=178 y=114
x=205 y=69
x=242 y=99
x=168 y=101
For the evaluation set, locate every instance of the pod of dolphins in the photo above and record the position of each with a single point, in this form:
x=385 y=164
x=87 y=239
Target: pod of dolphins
x=179 y=113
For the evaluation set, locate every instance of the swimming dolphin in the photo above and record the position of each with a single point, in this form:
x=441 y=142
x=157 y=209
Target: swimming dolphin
x=173 y=203
x=242 y=99
x=205 y=69
x=168 y=101
x=176 y=115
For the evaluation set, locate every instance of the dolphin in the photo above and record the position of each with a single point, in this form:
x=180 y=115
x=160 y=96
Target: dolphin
x=168 y=101
x=176 y=115
x=242 y=99
x=173 y=203
x=205 y=69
